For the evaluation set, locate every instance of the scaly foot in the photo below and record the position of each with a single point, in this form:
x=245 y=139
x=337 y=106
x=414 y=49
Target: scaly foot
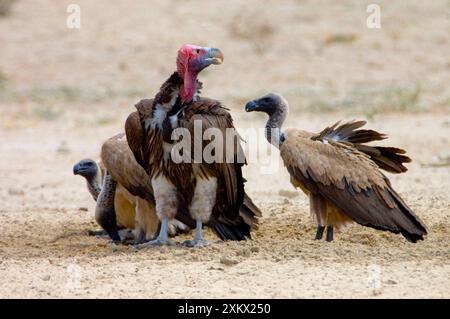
x=196 y=243
x=155 y=242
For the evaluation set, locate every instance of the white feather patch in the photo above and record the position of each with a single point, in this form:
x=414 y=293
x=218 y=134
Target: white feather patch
x=159 y=115
x=204 y=199
x=161 y=110
x=174 y=120
x=165 y=197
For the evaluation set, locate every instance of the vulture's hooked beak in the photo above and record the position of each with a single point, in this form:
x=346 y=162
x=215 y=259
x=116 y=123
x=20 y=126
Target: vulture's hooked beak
x=86 y=167
x=250 y=106
x=213 y=56
x=78 y=168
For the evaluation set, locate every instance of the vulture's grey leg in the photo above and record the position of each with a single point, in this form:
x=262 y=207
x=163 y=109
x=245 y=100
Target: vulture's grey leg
x=166 y=209
x=105 y=214
x=319 y=233
x=201 y=207
x=198 y=240
x=162 y=239
x=329 y=233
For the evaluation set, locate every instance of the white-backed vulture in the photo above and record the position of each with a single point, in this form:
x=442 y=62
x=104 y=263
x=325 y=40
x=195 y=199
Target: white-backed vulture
x=341 y=174
x=211 y=192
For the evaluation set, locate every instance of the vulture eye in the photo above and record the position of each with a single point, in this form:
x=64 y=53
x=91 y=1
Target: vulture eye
x=197 y=51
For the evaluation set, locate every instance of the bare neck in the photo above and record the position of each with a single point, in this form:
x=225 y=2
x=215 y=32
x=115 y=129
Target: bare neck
x=273 y=126
x=189 y=88
x=93 y=185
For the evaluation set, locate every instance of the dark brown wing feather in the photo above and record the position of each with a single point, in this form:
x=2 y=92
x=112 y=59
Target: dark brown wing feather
x=390 y=159
x=233 y=207
x=135 y=132
x=349 y=132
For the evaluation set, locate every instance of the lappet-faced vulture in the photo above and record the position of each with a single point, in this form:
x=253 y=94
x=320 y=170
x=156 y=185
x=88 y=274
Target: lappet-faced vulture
x=211 y=191
x=341 y=174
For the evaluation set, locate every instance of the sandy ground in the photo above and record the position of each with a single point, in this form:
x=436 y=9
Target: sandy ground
x=63 y=92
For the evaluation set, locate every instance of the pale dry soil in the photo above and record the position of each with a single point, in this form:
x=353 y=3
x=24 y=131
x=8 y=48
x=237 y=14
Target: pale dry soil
x=63 y=92
x=46 y=213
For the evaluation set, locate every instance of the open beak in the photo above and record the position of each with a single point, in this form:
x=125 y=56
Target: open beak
x=214 y=56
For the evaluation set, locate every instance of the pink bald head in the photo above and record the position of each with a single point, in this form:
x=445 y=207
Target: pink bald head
x=191 y=60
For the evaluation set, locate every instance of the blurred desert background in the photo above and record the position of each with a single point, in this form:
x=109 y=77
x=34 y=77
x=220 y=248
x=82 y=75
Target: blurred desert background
x=64 y=91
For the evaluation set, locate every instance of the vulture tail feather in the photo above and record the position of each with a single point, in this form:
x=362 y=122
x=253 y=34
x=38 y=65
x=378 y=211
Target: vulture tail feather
x=230 y=232
x=239 y=228
x=250 y=212
x=390 y=159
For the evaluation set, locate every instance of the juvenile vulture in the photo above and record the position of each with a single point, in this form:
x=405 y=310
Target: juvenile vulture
x=125 y=198
x=212 y=192
x=341 y=174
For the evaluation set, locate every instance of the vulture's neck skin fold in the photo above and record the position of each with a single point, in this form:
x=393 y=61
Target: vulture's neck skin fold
x=189 y=87
x=93 y=186
x=273 y=126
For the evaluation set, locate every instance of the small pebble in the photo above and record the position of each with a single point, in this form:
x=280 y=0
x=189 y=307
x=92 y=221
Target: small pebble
x=228 y=261
x=254 y=249
x=16 y=192
x=377 y=292
x=180 y=253
x=244 y=253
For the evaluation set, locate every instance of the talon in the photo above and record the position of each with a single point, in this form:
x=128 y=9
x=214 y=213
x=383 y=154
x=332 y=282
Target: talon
x=161 y=240
x=198 y=240
x=154 y=243
x=196 y=243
